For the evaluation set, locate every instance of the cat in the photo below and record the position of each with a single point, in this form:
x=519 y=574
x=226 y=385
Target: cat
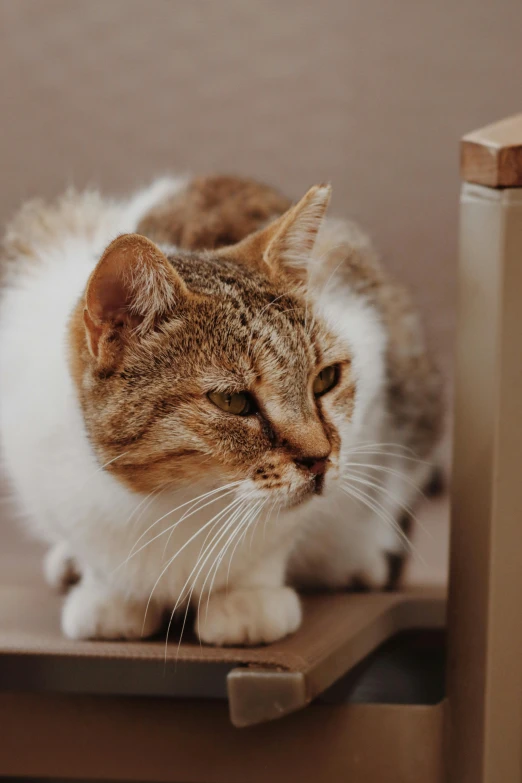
x=210 y=397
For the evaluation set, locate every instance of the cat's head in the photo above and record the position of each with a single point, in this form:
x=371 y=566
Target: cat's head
x=214 y=364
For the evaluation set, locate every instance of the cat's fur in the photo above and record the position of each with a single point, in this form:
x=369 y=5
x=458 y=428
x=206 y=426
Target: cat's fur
x=109 y=436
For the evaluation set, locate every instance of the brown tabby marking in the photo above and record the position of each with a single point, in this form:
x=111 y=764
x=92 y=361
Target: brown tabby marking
x=415 y=387
x=213 y=212
x=143 y=382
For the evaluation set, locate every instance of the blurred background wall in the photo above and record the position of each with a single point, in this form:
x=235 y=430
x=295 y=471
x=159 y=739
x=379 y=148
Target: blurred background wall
x=370 y=94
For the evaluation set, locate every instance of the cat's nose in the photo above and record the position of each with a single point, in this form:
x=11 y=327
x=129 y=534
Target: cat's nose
x=316 y=465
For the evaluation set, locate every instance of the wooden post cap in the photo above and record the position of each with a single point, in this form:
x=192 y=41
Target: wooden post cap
x=492 y=156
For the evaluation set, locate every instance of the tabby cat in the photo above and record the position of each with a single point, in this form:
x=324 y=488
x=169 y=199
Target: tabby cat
x=209 y=398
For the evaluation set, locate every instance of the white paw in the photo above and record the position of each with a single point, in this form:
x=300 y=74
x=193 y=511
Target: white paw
x=60 y=567
x=91 y=613
x=249 y=616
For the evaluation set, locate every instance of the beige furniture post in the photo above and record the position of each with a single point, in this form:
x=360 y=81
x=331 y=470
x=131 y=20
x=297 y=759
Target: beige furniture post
x=484 y=726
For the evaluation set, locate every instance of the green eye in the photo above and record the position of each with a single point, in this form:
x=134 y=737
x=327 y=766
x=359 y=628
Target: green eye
x=240 y=403
x=326 y=380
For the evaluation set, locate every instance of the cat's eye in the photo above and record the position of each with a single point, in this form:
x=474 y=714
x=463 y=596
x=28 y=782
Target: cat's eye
x=326 y=380
x=238 y=403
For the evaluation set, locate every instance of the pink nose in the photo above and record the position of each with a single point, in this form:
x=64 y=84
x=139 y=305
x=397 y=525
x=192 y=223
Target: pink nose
x=316 y=466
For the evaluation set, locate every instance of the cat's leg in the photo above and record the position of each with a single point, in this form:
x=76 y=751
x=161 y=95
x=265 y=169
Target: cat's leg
x=249 y=616
x=61 y=570
x=93 y=610
x=257 y=609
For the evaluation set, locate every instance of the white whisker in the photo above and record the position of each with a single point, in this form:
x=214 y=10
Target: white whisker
x=195 y=507
x=203 y=557
x=227 y=525
x=378 y=509
x=384 y=449
x=183 y=547
x=382 y=513
x=381 y=487
x=385 y=469
x=144 y=505
x=250 y=515
x=367 y=467
x=244 y=528
x=172 y=511
x=210 y=548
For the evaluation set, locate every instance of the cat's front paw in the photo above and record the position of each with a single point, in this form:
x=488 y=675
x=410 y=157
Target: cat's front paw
x=249 y=616
x=92 y=613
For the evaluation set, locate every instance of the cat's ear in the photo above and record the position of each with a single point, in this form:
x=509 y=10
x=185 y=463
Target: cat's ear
x=293 y=235
x=132 y=286
x=285 y=246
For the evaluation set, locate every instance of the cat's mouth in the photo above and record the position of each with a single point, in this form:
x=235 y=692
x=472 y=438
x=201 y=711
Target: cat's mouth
x=314 y=488
x=318 y=484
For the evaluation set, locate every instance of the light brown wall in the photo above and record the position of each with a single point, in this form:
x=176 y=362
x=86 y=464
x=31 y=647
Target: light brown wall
x=371 y=94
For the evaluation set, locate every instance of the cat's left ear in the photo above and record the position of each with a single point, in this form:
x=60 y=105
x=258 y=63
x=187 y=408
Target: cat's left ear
x=132 y=287
x=285 y=246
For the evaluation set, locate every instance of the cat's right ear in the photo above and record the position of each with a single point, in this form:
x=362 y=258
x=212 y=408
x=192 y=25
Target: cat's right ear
x=132 y=287
x=285 y=246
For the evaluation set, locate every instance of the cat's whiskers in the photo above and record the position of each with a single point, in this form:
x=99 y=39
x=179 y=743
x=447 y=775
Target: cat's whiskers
x=201 y=497
x=208 y=550
x=269 y=516
x=185 y=545
x=384 y=515
x=248 y=520
x=248 y=515
x=225 y=527
x=367 y=467
x=391 y=449
x=145 y=504
x=194 y=510
x=390 y=454
x=204 y=555
x=253 y=528
x=209 y=533
x=363 y=469
x=377 y=508
x=147 y=501
x=377 y=444
x=362 y=478
x=237 y=544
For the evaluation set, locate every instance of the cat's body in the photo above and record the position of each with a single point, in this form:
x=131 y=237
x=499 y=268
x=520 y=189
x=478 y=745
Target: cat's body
x=109 y=436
